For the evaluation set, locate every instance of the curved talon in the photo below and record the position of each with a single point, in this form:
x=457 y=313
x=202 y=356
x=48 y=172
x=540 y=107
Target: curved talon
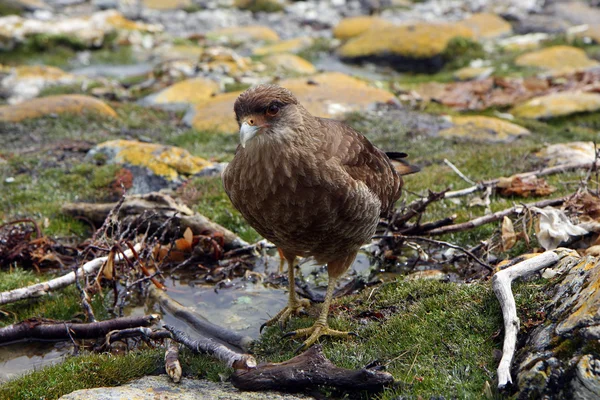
x=295 y=307
x=353 y=334
x=289 y=334
x=262 y=327
x=299 y=349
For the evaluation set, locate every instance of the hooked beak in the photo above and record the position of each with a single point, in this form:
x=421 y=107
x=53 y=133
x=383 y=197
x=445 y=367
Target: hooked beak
x=247 y=132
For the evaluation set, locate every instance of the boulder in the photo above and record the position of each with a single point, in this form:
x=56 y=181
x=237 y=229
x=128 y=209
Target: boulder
x=289 y=64
x=487 y=26
x=557 y=60
x=181 y=94
x=26 y=81
x=51 y=105
x=484 y=129
x=244 y=34
x=557 y=105
x=284 y=46
x=355 y=26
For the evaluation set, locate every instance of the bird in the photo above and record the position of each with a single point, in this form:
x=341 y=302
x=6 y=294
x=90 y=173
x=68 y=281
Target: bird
x=314 y=187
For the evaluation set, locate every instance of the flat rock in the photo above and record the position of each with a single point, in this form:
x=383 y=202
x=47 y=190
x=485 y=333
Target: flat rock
x=284 y=46
x=484 y=128
x=161 y=387
x=152 y=166
x=289 y=63
x=244 y=34
x=328 y=95
x=354 y=26
x=25 y=82
x=183 y=93
x=415 y=46
x=50 y=105
x=557 y=60
x=487 y=26
x=565 y=153
x=558 y=104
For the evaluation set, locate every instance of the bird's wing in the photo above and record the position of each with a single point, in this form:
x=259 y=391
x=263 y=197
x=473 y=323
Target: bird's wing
x=364 y=162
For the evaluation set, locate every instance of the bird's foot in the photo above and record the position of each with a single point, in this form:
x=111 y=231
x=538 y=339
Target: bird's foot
x=315 y=332
x=293 y=308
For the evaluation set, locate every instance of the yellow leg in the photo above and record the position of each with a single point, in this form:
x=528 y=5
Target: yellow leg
x=295 y=305
x=281 y=260
x=320 y=327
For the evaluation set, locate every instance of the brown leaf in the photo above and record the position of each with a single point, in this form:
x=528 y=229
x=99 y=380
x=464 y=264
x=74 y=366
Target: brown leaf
x=183 y=245
x=508 y=234
x=524 y=187
x=188 y=235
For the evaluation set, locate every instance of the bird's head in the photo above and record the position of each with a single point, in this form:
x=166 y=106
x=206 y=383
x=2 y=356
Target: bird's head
x=265 y=110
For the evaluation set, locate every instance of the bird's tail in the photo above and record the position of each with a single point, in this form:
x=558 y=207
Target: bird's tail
x=402 y=166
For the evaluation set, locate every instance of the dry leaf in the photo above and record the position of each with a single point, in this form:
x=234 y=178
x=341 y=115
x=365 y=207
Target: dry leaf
x=188 y=235
x=508 y=234
x=109 y=267
x=524 y=187
x=554 y=227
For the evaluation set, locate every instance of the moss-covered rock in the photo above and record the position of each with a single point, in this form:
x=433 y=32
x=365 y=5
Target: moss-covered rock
x=178 y=52
x=558 y=104
x=61 y=104
x=179 y=95
x=417 y=46
x=152 y=166
x=328 y=95
x=284 y=46
x=354 y=26
x=289 y=63
x=557 y=60
x=245 y=34
x=259 y=5
x=484 y=128
x=26 y=81
x=487 y=26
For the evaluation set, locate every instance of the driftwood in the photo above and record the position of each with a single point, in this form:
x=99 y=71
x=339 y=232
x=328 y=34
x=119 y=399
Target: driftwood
x=209 y=346
x=501 y=283
x=486 y=219
x=38 y=329
x=198 y=322
x=41 y=289
x=172 y=364
x=309 y=370
x=162 y=207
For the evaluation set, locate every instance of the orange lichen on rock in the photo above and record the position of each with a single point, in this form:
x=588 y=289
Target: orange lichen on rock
x=61 y=104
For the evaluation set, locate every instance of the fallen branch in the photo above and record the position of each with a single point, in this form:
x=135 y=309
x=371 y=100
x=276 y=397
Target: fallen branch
x=172 y=364
x=452 y=246
x=143 y=332
x=41 y=289
x=542 y=172
x=162 y=207
x=36 y=329
x=486 y=219
x=198 y=322
x=209 y=346
x=309 y=370
x=501 y=283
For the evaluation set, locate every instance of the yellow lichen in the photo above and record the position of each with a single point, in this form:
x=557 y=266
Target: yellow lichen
x=419 y=40
x=285 y=46
x=486 y=25
x=557 y=60
x=193 y=90
x=289 y=63
x=216 y=114
x=166 y=4
x=483 y=128
x=246 y=33
x=72 y=103
x=354 y=26
x=558 y=104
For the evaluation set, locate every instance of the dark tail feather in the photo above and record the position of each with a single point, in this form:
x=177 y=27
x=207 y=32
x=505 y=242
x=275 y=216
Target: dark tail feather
x=400 y=165
x=395 y=155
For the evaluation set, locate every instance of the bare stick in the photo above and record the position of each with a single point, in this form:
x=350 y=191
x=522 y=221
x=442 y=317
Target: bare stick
x=172 y=364
x=457 y=171
x=542 y=172
x=209 y=346
x=41 y=289
x=486 y=219
x=198 y=322
x=144 y=332
x=501 y=285
x=452 y=246
x=37 y=329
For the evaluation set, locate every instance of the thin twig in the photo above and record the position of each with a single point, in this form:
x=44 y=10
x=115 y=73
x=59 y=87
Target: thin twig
x=457 y=171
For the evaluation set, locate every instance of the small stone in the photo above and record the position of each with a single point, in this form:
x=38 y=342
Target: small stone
x=557 y=60
x=61 y=104
x=484 y=128
x=487 y=26
x=355 y=26
x=432 y=275
x=289 y=63
x=558 y=104
x=245 y=34
x=181 y=94
x=285 y=46
x=473 y=73
x=565 y=153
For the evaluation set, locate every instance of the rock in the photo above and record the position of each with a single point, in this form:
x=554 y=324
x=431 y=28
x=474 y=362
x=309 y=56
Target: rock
x=557 y=60
x=166 y=4
x=244 y=34
x=523 y=42
x=224 y=61
x=565 y=153
x=50 y=105
x=484 y=128
x=473 y=73
x=153 y=166
x=285 y=46
x=587 y=381
x=354 y=26
x=540 y=23
x=178 y=52
x=289 y=63
x=487 y=26
x=155 y=387
x=415 y=46
x=577 y=12
x=431 y=274
x=558 y=104
x=26 y=81
x=328 y=95
x=592 y=32
x=181 y=94
x=268 y=6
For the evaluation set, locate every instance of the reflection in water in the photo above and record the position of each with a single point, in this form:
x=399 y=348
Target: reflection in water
x=17 y=359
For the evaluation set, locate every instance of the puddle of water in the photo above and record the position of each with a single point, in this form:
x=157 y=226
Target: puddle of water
x=18 y=359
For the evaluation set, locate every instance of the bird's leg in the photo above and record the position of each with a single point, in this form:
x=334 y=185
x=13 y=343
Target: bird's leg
x=281 y=260
x=295 y=305
x=320 y=327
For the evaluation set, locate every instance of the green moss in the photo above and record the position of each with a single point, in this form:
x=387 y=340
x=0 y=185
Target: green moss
x=7 y=8
x=316 y=49
x=236 y=87
x=460 y=51
x=268 y=6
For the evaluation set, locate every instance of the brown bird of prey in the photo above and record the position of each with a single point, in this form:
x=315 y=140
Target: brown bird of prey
x=312 y=186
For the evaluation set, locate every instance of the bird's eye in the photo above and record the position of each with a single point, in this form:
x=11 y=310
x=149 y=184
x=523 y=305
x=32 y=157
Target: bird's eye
x=272 y=110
